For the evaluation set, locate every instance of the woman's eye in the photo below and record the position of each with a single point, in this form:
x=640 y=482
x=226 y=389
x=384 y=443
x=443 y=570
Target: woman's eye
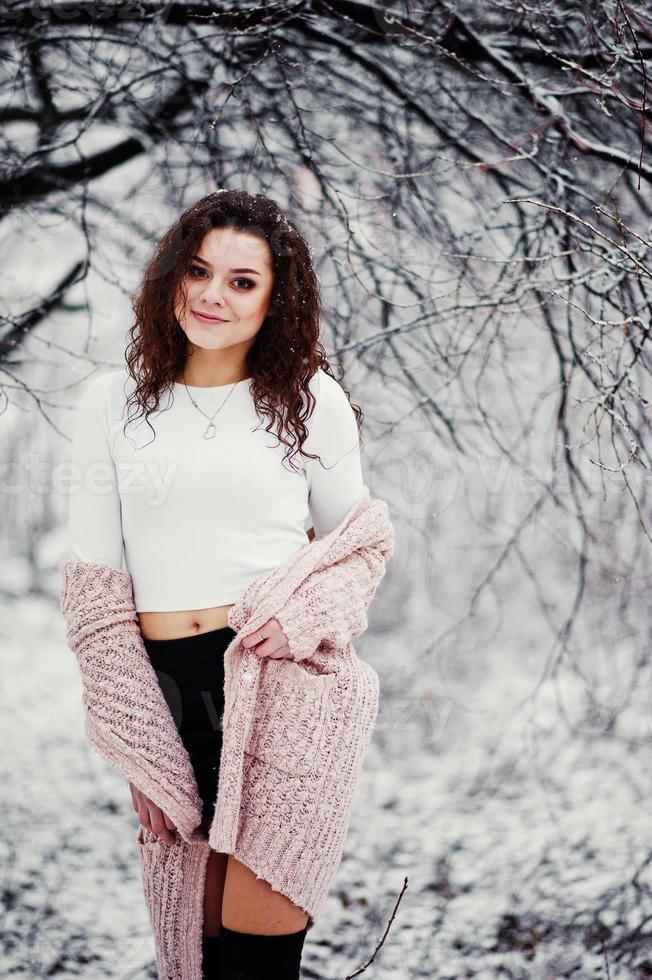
x=198 y=270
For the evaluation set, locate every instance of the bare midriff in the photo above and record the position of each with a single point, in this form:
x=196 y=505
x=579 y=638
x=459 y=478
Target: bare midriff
x=172 y=625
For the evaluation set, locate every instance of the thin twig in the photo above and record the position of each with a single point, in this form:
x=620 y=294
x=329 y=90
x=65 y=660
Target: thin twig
x=384 y=936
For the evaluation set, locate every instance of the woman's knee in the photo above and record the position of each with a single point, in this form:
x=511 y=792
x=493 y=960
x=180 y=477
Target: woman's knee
x=250 y=905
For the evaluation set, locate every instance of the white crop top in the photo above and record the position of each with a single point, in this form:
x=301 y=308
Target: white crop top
x=195 y=520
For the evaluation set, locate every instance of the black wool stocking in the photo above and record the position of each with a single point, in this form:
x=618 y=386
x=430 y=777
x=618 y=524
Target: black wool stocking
x=211 y=964
x=246 y=956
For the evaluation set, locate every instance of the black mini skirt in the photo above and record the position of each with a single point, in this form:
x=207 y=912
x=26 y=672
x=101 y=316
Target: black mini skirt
x=190 y=672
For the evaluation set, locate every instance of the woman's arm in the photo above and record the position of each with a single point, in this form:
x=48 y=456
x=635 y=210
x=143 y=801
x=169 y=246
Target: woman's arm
x=335 y=479
x=95 y=531
x=332 y=601
x=126 y=717
x=94 y=510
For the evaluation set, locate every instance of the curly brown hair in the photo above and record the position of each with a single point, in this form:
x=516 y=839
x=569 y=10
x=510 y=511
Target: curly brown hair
x=286 y=351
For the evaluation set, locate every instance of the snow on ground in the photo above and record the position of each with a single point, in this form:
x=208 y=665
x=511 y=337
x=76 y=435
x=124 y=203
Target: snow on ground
x=524 y=837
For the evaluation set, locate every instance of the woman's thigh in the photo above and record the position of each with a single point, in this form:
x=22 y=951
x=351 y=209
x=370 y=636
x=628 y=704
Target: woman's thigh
x=213 y=890
x=250 y=905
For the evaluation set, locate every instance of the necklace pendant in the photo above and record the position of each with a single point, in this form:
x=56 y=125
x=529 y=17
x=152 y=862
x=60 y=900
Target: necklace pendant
x=210 y=431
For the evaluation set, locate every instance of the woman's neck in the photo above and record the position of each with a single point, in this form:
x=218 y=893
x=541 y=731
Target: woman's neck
x=210 y=377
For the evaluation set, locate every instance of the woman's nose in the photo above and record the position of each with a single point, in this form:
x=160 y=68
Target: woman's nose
x=212 y=292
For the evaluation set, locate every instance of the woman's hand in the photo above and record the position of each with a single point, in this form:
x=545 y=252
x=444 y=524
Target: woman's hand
x=274 y=642
x=151 y=816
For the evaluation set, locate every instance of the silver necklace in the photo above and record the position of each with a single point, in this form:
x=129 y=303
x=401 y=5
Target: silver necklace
x=210 y=429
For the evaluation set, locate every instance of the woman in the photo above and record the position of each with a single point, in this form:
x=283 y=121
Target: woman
x=227 y=325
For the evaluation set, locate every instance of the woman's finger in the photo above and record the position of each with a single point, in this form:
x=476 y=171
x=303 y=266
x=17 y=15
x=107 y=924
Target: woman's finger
x=143 y=815
x=269 y=630
x=254 y=638
x=274 y=642
x=158 y=824
x=168 y=822
x=276 y=645
x=282 y=653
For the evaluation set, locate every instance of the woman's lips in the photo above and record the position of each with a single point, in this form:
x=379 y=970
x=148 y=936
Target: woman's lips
x=208 y=319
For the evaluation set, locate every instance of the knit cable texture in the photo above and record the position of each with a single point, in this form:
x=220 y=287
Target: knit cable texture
x=127 y=718
x=294 y=730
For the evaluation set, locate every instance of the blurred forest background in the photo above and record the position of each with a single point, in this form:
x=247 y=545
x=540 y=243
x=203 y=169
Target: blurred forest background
x=475 y=181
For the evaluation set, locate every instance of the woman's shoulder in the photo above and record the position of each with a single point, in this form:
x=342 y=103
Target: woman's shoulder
x=107 y=392
x=332 y=425
x=328 y=392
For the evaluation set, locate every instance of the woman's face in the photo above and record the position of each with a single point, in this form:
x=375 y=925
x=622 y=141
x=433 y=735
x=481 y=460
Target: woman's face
x=230 y=280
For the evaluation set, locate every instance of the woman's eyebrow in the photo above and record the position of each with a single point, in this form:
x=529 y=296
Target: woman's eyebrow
x=197 y=258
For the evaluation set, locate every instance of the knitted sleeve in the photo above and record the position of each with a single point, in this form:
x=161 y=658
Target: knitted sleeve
x=331 y=604
x=127 y=718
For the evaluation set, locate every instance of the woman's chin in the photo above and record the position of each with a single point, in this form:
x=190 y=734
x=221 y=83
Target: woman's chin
x=207 y=338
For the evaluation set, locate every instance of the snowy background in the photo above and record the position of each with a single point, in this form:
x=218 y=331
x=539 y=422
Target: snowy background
x=499 y=354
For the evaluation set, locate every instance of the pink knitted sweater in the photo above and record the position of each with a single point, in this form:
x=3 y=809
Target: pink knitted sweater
x=294 y=730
